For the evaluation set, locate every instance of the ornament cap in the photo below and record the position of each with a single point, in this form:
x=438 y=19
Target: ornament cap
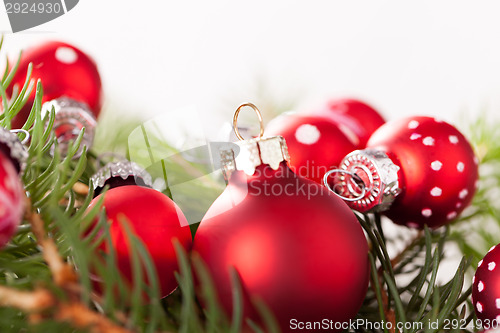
x=14 y=148
x=121 y=170
x=252 y=153
x=368 y=180
x=71 y=117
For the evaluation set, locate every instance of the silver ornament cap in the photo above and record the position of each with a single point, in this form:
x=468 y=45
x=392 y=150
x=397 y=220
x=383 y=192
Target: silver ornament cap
x=247 y=155
x=71 y=117
x=14 y=149
x=252 y=153
x=367 y=180
x=123 y=170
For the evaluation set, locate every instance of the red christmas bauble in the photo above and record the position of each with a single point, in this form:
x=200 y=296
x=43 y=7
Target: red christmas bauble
x=65 y=71
x=11 y=200
x=431 y=167
x=355 y=116
x=156 y=220
x=315 y=143
x=486 y=288
x=295 y=245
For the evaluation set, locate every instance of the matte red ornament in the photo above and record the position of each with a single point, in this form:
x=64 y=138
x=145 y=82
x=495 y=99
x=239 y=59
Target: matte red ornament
x=417 y=170
x=353 y=116
x=156 y=220
x=70 y=81
x=11 y=200
x=278 y=230
x=486 y=289
x=315 y=143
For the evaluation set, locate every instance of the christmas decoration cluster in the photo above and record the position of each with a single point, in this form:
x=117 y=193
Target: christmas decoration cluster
x=286 y=241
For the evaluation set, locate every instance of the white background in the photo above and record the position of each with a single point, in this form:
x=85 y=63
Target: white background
x=438 y=58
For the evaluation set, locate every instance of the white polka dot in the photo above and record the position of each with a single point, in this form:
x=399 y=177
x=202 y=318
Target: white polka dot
x=497 y=303
x=415 y=136
x=480 y=286
x=428 y=141
x=463 y=194
x=480 y=263
x=492 y=248
x=479 y=307
x=66 y=55
x=412 y=224
x=307 y=134
x=436 y=191
x=491 y=266
x=453 y=139
x=458 y=205
x=436 y=165
x=413 y=124
x=426 y=212
x=451 y=215
x=460 y=166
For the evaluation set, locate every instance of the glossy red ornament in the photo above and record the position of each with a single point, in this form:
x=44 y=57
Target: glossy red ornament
x=65 y=71
x=486 y=289
x=418 y=170
x=315 y=143
x=304 y=259
x=354 y=117
x=11 y=200
x=156 y=220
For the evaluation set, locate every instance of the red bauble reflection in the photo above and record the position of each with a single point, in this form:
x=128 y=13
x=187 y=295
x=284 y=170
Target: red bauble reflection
x=315 y=143
x=295 y=245
x=156 y=220
x=65 y=71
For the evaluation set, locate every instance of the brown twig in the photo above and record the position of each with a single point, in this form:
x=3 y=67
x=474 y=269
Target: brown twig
x=41 y=301
x=82 y=317
x=62 y=273
x=28 y=301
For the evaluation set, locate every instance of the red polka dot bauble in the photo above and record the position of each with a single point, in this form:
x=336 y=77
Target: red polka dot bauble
x=486 y=288
x=316 y=144
x=354 y=117
x=418 y=171
x=278 y=230
x=11 y=200
x=156 y=220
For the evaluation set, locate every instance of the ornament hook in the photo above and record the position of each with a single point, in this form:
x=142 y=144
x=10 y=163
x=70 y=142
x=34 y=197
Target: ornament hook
x=235 y=120
x=25 y=132
x=353 y=175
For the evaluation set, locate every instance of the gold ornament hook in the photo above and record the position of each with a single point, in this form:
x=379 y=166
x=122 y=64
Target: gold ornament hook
x=235 y=120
